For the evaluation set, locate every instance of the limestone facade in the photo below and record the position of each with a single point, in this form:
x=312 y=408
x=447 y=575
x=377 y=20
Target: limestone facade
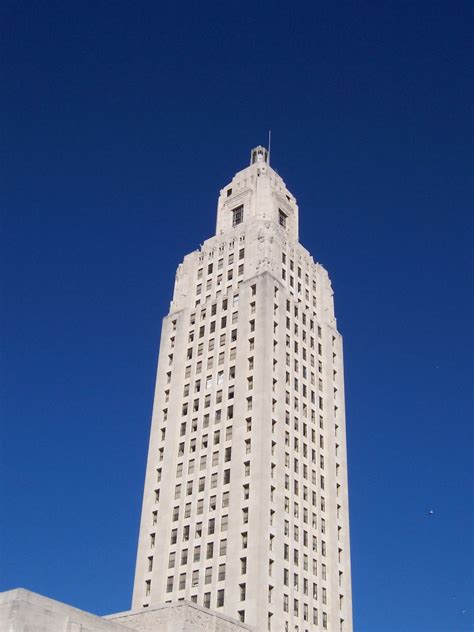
x=245 y=507
x=25 y=611
x=178 y=617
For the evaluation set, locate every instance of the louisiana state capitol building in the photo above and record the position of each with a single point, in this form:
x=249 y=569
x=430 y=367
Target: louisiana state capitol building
x=245 y=507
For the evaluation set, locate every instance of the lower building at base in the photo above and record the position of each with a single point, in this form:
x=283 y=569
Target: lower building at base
x=25 y=611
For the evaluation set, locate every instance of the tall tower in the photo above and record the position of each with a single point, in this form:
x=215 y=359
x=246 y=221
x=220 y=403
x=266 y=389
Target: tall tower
x=245 y=507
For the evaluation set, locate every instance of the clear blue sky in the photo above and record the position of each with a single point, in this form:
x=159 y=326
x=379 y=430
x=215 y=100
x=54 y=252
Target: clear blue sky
x=121 y=121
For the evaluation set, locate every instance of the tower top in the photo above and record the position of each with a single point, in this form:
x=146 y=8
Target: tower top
x=257 y=193
x=259 y=154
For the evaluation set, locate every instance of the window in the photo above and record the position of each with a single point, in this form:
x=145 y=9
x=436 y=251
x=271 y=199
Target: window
x=210 y=550
x=237 y=215
x=282 y=218
x=225 y=499
x=270 y=594
x=220 y=598
x=186 y=533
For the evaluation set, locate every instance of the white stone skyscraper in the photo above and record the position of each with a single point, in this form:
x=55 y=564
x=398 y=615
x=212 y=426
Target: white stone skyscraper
x=245 y=506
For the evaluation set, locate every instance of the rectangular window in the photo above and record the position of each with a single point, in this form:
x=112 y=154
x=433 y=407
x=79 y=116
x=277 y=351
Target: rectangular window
x=238 y=215
x=186 y=533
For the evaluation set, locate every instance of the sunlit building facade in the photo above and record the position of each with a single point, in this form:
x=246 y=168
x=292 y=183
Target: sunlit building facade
x=245 y=507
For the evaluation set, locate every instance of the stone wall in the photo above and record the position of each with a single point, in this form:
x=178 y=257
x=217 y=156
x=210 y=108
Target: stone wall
x=178 y=617
x=25 y=611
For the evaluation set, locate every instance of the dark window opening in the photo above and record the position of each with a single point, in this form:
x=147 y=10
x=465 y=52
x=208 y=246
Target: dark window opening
x=238 y=215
